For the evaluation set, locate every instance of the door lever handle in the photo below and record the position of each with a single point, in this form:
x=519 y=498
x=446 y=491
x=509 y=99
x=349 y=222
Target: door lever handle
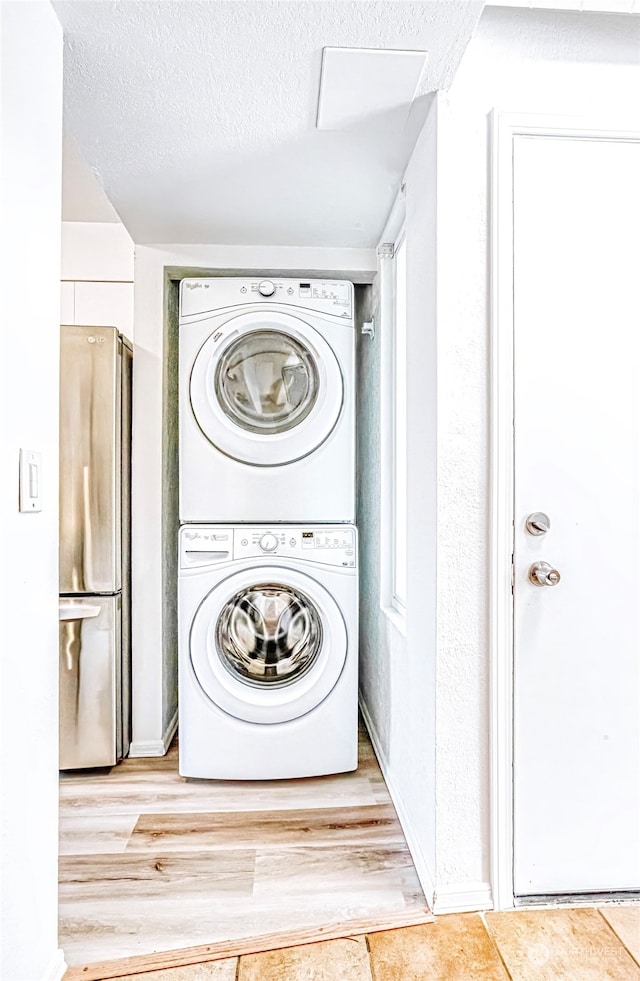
x=543 y=574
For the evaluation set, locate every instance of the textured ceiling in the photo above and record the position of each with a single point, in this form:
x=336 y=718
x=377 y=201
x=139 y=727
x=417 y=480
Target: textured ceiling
x=198 y=118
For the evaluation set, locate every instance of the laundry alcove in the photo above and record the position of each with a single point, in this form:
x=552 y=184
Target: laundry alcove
x=272 y=862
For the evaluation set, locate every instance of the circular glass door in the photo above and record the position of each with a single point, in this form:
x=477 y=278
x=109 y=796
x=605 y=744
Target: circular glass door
x=268 y=645
x=269 y=634
x=266 y=382
x=266 y=389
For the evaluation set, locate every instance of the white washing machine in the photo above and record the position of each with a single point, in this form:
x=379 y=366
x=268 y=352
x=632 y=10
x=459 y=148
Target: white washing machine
x=268 y=651
x=266 y=400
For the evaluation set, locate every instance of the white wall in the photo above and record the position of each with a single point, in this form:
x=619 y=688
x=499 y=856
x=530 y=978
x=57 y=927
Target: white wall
x=100 y=251
x=520 y=61
x=31 y=141
x=415 y=712
x=83 y=198
x=398 y=684
x=154 y=491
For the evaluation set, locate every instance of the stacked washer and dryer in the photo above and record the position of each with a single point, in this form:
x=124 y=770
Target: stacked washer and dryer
x=268 y=552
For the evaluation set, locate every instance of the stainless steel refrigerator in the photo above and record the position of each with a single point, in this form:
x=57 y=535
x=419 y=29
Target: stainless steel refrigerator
x=95 y=522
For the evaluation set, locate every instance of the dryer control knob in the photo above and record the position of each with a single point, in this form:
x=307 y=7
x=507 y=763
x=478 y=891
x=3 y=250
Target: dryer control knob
x=268 y=543
x=266 y=288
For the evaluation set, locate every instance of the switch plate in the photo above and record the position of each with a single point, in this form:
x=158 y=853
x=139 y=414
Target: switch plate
x=30 y=480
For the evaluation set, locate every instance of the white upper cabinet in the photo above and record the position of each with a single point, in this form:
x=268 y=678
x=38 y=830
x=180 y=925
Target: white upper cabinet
x=97 y=275
x=67 y=303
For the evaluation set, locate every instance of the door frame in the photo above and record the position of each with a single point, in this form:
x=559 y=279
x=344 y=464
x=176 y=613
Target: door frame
x=504 y=128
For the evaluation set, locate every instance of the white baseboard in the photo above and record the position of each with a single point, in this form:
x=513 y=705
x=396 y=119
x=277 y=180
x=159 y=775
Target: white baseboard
x=422 y=868
x=463 y=897
x=155 y=747
x=56 y=969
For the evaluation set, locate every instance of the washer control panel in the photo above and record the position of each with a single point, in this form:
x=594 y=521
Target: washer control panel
x=208 y=545
x=328 y=544
x=329 y=296
x=268 y=542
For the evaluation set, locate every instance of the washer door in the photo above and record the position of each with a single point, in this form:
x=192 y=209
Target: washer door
x=268 y=645
x=266 y=389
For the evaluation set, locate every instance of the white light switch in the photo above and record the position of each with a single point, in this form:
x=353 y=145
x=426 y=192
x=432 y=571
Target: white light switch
x=30 y=467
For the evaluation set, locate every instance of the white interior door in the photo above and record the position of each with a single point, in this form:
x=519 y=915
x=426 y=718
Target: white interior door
x=577 y=454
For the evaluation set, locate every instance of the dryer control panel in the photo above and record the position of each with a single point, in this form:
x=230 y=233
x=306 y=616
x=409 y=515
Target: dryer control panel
x=335 y=545
x=328 y=296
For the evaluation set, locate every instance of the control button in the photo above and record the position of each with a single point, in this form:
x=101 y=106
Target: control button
x=243 y=289
x=290 y=291
x=266 y=288
x=292 y=542
x=244 y=542
x=268 y=543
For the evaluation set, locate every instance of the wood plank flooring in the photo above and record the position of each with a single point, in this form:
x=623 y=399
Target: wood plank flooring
x=151 y=863
x=163 y=879
x=521 y=945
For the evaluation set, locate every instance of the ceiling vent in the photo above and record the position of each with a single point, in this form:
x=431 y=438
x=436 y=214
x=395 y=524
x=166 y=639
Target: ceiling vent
x=359 y=85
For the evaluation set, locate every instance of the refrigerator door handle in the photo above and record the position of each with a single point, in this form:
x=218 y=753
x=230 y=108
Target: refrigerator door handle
x=77 y=611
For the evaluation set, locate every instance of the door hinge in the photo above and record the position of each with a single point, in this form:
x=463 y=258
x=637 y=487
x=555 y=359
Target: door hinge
x=513 y=573
x=386 y=250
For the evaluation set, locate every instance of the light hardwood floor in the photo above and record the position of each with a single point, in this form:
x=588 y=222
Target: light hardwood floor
x=170 y=880
x=151 y=863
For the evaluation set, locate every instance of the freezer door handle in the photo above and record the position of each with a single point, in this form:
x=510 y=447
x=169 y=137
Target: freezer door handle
x=77 y=611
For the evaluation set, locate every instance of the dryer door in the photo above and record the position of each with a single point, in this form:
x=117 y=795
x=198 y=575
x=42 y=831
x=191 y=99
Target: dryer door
x=268 y=645
x=266 y=388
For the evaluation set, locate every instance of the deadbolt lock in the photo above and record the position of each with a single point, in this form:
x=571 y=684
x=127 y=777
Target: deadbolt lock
x=538 y=523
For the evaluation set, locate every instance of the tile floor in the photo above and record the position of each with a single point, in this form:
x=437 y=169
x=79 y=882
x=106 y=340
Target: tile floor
x=524 y=945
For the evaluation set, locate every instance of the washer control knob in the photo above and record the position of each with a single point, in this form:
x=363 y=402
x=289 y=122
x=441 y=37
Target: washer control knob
x=266 y=288
x=268 y=543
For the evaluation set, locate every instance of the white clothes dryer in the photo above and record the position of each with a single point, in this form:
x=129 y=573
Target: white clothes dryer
x=267 y=651
x=266 y=400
